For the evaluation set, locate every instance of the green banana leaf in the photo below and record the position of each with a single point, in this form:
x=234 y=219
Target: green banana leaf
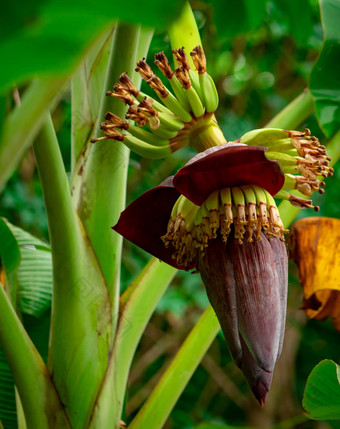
x=324 y=79
x=26 y=262
x=67 y=27
x=34 y=274
x=321 y=399
x=7 y=395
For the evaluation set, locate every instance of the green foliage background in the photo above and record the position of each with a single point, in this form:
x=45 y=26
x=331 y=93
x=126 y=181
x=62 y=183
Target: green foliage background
x=260 y=54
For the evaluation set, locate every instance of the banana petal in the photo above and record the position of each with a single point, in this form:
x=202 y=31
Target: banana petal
x=258 y=299
x=216 y=271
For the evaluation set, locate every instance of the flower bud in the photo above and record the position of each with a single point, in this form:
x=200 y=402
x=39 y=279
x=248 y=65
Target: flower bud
x=247 y=287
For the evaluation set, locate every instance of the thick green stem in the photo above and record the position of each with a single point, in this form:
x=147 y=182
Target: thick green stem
x=207 y=137
x=145 y=37
x=20 y=411
x=139 y=303
x=165 y=395
x=99 y=195
x=184 y=32
x=63 y=225
x=81 y=318
x=294 y=113
x=88 y=89
x=23 y=124
x=42 y=406
x=101 y=192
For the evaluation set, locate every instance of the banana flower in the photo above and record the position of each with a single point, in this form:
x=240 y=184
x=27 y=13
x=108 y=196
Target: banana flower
x=217 y=216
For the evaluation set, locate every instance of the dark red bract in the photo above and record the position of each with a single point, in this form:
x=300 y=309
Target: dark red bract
x=228 y=165
x=145 y=220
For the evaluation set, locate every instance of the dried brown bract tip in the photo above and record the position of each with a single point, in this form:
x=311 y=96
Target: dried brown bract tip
x=145 y=107
x=157 y=85
x=162 y=63
x=302 y=203
x=183 y=77
x=136 y=115
x=198 y=57
x=293 y=133
x=314 y=160
x=305 y=144
x=308 y=186
x=181 y=58
x=144 y=69
x=114 y=121
x=311 y=167
x=121 y=93
x=110 y=133
x=127 y=84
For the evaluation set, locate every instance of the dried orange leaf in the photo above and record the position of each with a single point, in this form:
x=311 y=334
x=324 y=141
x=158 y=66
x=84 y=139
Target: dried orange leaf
x=316 y=251
x=2 y=276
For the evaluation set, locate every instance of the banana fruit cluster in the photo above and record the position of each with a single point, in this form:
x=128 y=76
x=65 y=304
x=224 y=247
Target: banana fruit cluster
x=178 y=119
x=301 y=157
x=246 y=211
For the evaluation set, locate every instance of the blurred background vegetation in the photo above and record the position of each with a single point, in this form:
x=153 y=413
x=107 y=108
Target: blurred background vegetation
x=260 y=55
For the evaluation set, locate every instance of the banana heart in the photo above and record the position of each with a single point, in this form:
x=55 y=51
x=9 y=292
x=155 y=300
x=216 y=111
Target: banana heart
x=247 y=287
